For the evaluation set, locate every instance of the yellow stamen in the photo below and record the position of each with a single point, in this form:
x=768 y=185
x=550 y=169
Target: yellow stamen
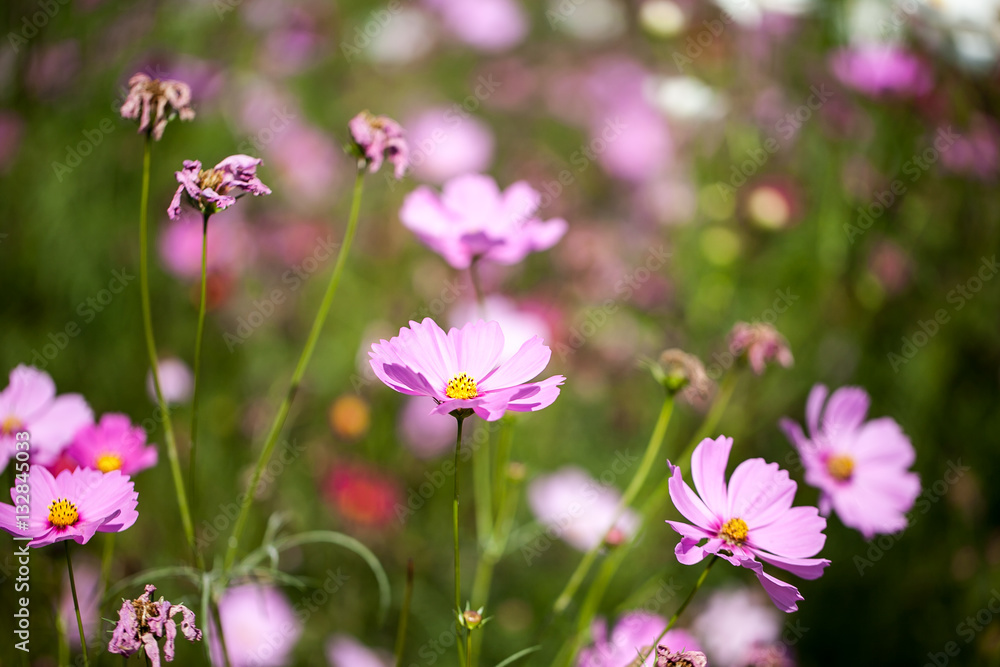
x=840 y=467
x=109 y=462
x=63 y=513
x=10 y=425
x=211 y=178
x=734 y=532
x=462 y=386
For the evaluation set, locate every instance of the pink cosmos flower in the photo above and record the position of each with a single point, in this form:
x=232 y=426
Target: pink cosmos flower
x=446 y=145
x=346 y=651
x=882 y=69
x=379 y=138
x=260 y=624
x=749 y=521
x=635 y=632
x=73 y=506
x=460 y=370
x=761 y=343
x=861 y=468
x=155 y=103
x=216 y=189
x=472 y=219
x=29 y=403
x=113 y=444
x=580 y=510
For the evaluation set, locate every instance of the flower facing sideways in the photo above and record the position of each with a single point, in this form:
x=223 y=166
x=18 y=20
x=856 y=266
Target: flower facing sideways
x=216 y=189
x=73 y=506
x=113 y=444
x=379 y=138
x=862 y=468
x=747 y=521
x=461 y=369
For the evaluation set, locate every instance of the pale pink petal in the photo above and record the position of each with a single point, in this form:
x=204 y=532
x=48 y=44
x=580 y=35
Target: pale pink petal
x=708 y=470
x=784 y=595
x=845 y=411
x=478 y=346
x=798 y=534
x=814 y=407
x=688 y=504
x=530 y=360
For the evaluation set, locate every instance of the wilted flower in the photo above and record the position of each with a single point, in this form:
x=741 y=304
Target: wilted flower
x=681 y=372
x=761 y=343
x=142 y=621
x=155 y=103
x=472 y=219
x=751 y=519
x=635 y=632
x=461 y=370
x=113 y=444
x=380 y=138
x=72 y=506
x=260 y=626
x=580 y=510
x=860 y=467
x=216 y=189
x=29 y=404
x=665 y=658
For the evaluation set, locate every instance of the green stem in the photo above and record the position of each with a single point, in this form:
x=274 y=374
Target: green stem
x=76 y=605
x=458 y=560
x=684 y=605
x=147 y=320
x=300 y=369
x=199 y=336
x=404 y=614
x=650 y=457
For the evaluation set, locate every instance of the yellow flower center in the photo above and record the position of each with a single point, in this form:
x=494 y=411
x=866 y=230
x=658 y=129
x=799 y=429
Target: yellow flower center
x=62 y=513
x=109 y=462
x=840 y=467
x=734 y=532
x=10 y=425
x=462 y=386
x=211 y=178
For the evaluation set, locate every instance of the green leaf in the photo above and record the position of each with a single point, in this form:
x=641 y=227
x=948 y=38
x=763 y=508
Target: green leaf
x=519 y=655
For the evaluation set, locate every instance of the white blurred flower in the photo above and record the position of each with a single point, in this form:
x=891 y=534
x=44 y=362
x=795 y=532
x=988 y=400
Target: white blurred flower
x=973 y=27
x=686 y=98
x=176 y=381
x=592 y=21
x=407 y=36
x=751 y=12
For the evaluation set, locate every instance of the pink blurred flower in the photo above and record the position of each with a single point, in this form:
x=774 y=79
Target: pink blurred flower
x=487 y=25
x=761 y=343
x=155 y=103
x=362 y=495
x=29 y=403
x=861 y=468
x=73 y=506
x=882 y=69
x=472 y=219
x=975 y=152
x=734 y=622
x=346 y=651
x=751 y=519
x=380 y=138
x=143 y=620
x=461 y=370
x=579 y=509
x=261 y=627
x=424 y=433
x=113 y=444
x=307 y=162
x=635 y=632
x=216 y=189
x=176 y=380
x=230 y=246
x=53 y=68
x=445 y=144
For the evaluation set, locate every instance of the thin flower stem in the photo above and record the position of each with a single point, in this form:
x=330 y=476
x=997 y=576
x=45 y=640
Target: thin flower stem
x=76 y=605
x=684 y=605
x=199 y=336
x=404 y=614
x=300 y=369
x=454 y=524
x=147 y=320
x=468 y=646
x=646 y=465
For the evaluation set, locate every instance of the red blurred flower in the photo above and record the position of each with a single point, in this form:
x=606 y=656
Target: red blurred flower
x=362 y=494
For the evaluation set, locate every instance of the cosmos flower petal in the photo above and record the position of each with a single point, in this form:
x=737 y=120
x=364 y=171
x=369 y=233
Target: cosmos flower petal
x=784 y=595
x=687 y=503
x=759 y=491
x=708 y=470
x=530 y=360
x=882 y=442
x=845 y=410
x=478 y=346
x=28 y=392
x=536 y=396
x=798 y=534
x=806 y=568
x=814 y=406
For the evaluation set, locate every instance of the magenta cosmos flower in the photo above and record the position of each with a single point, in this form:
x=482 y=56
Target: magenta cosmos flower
x=747 y=521
x=634 y=633
x=72 y=506
x=29 y=404
x=861 y=468
x=113 y=444
x=472 y=219
x=380 y=138
x=461 y=370
x=216 y=189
